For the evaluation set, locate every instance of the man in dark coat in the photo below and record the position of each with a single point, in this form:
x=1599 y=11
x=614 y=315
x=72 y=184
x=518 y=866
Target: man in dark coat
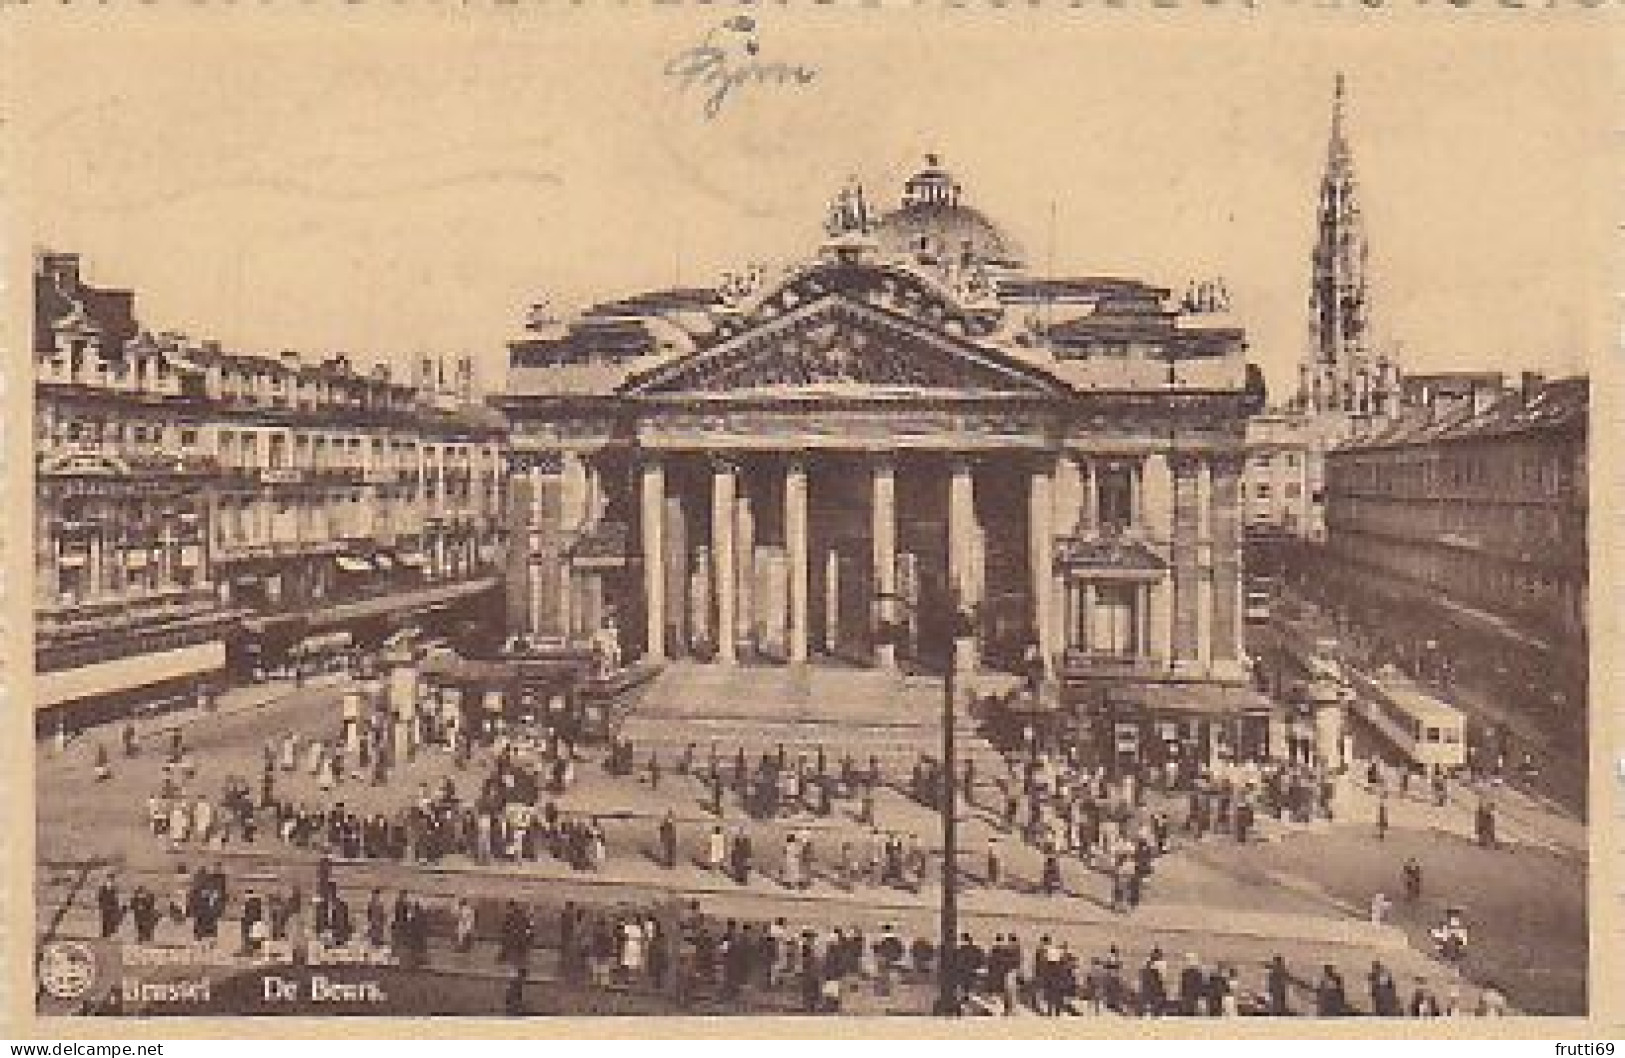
x=1192 y=986
x=1153 y=985
x=1384 y=992
x=1331 y=1001
x=1412 y=872
x=110 y=906
x=1276 y=983
x=668 y=841
x=742 y=857
x=515 y=944
x=144 y=910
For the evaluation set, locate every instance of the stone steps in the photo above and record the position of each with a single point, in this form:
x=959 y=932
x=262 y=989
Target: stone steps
x=894 y=717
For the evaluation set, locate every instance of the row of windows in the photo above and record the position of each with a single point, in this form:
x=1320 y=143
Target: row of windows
x=1266 y=462
x=1493 y=523
x=1494 y=585
x=1510 y=470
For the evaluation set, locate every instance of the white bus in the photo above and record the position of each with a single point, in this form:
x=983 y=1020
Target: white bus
x=1427 y=731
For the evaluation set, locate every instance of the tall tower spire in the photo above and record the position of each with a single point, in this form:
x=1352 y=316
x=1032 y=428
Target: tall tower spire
x=1337 y=375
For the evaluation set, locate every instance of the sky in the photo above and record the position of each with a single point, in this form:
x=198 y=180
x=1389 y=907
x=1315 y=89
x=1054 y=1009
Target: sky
x=392 y=186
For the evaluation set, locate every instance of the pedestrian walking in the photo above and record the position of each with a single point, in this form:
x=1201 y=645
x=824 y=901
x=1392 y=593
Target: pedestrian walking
x=1412 y=873
x=668 y=840
x=1276 y=983
x=1331 y=999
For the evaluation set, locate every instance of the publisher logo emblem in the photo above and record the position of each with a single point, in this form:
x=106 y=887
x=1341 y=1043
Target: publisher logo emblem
x=67 y=969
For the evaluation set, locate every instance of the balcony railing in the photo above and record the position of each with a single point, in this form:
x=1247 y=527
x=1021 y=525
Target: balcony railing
x=398 y=582
x=114 y=643
x=124 y=616
x=162 y=600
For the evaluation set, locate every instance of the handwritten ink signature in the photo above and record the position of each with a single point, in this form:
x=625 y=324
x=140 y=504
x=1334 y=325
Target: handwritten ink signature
x=725 y=62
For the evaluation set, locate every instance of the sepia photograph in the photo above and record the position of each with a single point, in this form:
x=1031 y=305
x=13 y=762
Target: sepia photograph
x=806 y=514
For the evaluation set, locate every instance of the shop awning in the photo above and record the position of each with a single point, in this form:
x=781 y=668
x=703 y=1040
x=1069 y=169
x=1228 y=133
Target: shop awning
x=402 y=602
x=352 y=564
x=453 y=669
x=324 y=643
x=1191 y=698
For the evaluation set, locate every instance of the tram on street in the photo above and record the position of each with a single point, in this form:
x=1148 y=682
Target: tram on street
x=1427 y=731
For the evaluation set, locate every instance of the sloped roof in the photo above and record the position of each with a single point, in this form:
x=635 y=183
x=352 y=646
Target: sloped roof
x=1553 y=405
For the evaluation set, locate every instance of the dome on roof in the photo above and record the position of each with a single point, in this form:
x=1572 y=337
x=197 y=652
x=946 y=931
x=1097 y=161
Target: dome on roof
x=933 y=220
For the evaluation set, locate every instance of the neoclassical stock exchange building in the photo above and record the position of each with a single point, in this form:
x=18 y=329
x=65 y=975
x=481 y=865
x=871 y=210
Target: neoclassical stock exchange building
x=844 y=463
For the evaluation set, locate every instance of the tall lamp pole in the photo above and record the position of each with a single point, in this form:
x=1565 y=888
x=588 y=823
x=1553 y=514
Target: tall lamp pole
x=947 y=969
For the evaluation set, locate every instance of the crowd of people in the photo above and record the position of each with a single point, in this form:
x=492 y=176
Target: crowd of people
x=1049 y=797
x=675 y=949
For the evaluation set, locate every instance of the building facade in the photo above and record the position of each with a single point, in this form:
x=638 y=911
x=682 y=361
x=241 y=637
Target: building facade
x=1283 y=491
x=905 y=437
x=1479 y=500
x=193 y=501
x=1342 y=381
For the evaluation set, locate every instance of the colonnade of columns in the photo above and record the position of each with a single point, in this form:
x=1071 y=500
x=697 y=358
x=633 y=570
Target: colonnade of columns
x=1062 y=500
x=733 y=540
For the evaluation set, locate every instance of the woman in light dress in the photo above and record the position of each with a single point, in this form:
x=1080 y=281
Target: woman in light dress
x=598 y=847
x=716 y=850
x=633 y=948
x=203 y=820
x=791 y=876
x=180 y=823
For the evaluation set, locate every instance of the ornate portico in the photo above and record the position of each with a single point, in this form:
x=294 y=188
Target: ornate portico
x=828 y=463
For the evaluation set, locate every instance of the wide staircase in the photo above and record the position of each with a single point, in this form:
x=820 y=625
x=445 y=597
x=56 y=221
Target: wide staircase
x=894 y=717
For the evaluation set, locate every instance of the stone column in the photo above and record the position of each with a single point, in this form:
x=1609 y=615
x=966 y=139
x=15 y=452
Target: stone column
x=1204 y=563
x=95 y=565
x=654 y=551
x=1041 y=562
x=965 y=555
x=1087 y=640
x=1068 y=491
x=832 y=600
x=795 y=546
x=575 y=492
x=1091 y=499
x=724 y=489
x=1156 y=505
x=1162 y=621
x=883 y=537
x=744 y=570
x=572 y=518
x=594 y=491
x=962 y=551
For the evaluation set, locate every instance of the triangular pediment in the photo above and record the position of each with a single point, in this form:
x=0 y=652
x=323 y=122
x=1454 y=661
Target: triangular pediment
x=841 y=347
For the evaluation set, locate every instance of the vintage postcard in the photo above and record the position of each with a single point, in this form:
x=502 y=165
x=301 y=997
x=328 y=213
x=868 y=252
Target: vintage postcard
x=1074 y=519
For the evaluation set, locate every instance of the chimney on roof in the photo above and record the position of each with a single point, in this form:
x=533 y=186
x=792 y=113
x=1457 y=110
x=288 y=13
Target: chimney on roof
x=1530 y=383
x=62 y=269
x=465 y=378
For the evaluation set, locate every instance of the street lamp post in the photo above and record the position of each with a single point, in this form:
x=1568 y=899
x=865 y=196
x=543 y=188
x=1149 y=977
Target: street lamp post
x=947 y=997
x=947 y=992
x=947 y=970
